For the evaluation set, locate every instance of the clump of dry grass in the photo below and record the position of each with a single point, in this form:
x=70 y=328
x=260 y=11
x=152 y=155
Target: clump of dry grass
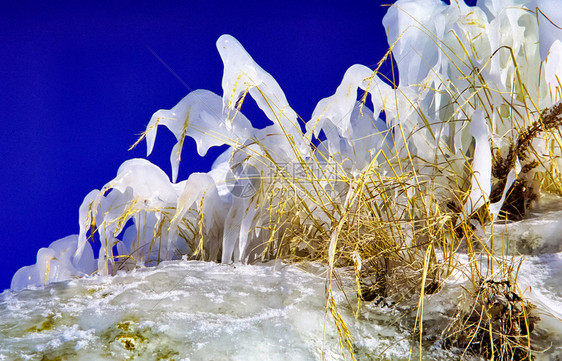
x=494 y=322
x=401 y=234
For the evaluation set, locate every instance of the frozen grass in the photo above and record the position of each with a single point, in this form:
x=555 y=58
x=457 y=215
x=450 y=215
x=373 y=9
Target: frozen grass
x=473 y=140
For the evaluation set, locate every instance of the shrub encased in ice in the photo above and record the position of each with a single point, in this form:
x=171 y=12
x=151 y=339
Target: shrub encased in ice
x=471 y=78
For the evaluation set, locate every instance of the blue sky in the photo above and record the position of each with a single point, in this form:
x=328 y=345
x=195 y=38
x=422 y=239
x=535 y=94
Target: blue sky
x=80 y=81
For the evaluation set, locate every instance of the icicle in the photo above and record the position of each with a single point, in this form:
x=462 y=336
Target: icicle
x=243 y=75
x=496 y=207
x=352 y=130
x=231 y=233
x=196 y=186
x=139 y=185
x=335 y=111
x=552 y=69
x=481 y=164
x=410 y=30
x=199 y=116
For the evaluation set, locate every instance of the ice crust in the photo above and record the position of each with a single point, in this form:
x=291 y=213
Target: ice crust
x=194 y=311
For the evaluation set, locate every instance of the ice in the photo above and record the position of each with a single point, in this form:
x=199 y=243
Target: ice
x=207 y=311
x=494 y=7
x=409 y=23
x=193 y=310
x=335 y=111
x=142 y=192
x=56 y=263
x=481 y=165
x=162 y=210
x=550 y=21
x=539 y=233
x=352 y=130
x=242 y=75
x=450 y=110
x=496 y=207
x=199 y=116
x=198 y=187
x=25 y=277
x=553 y=66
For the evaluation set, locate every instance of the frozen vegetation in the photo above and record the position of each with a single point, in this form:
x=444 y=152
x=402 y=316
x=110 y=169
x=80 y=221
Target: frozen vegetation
x=403 y=193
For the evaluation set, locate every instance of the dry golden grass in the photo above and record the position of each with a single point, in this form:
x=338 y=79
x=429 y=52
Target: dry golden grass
x=402 y=230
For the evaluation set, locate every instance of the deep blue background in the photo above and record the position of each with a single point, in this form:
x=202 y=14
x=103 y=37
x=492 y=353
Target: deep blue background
x=79 y=82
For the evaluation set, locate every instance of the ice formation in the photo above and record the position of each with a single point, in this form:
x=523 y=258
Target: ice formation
x=471 y=81
x=57 y=263
x=456 y=65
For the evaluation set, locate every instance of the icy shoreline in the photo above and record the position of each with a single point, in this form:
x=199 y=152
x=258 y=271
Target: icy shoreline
x=193 y=310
